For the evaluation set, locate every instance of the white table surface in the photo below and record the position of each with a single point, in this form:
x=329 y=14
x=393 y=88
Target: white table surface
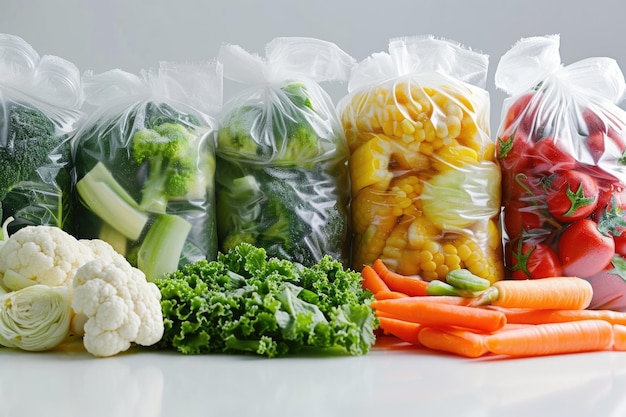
x=390 y=381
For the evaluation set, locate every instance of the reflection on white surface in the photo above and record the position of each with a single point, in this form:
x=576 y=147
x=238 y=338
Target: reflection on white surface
x=402 y=380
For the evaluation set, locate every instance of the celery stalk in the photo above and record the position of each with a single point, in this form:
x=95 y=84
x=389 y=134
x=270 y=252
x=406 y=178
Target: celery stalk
x=160 y=251
x=106 y=198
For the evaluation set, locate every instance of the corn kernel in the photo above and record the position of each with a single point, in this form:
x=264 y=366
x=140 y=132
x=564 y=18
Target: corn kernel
x=441 y=130
x=449 y=249
x=388 y=127
x=407 y=127
x=428 y=266
x=464 y=252
x=453 y=261
x=425 y=255
x=442 y=271
x=454 y=126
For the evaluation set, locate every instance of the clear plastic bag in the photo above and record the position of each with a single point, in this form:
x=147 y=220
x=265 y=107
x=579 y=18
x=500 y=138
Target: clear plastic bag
x=562 y=146
x=40 y=101
x=281 y=153
x=145 y=164
x=425 y=184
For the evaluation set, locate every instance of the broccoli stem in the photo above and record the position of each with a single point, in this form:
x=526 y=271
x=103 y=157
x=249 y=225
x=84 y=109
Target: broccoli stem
x=154 y=197
x=105 y=197
x=117 y=240
x=160 y=251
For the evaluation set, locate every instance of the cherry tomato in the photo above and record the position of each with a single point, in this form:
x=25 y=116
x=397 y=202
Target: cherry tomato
x=605 y=124
x=595 y=144
x=573 y=195
x=548 y=157
x=593 y=123
x=610 y=197
x=583 y=250
x=521 y=113
x=519 y=217
x=610 y=214
x=513 y=148
x=530 y=260
x=521 y=186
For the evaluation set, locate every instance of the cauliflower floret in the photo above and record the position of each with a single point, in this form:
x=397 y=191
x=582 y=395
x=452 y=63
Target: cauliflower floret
x=41 y=255
x=100 y=249
x=116 y=306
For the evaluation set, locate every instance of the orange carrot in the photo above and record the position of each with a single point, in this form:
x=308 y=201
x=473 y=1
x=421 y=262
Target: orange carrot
x=372 y=281
x=542 y=316
x=443 y=299
x=409 y=285
x=552 y=338
x=441 y=314
x=619 y=337
x=403 y=330
x=458 y=341
x=565 y=293
x=388 y=294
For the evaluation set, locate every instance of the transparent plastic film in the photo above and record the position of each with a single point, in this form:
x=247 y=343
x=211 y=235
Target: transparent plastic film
x=40 y=100
x=425 y=183
x=282 y=154
x=145 y=164
x=561 y=145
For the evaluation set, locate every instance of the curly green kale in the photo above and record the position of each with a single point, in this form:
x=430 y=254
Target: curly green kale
x=34 y=169
x=247 y=302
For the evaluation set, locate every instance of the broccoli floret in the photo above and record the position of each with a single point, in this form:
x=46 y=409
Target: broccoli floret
x=280 y=133
x=161 y=113
x=26 y=123
x=302 y=145
x=31 y=159
x=298 y=95
x=236 y=137
x=234 y=239
x=169 y=151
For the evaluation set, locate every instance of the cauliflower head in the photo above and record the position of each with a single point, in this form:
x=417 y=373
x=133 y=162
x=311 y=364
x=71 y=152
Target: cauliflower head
x=41 y=255
x=116 y=306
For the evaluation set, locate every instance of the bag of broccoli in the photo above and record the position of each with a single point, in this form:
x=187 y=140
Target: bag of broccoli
x=281 y=153
x=40 y=101
x=425 y=183
x=145 y=164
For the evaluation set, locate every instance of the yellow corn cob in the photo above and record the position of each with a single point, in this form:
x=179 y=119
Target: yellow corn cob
x=369 y=164
x=374 y=214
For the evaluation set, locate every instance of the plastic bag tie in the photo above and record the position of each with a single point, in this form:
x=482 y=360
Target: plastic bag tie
x=418 y=55
x=48 y=78
x=537 y=59
x=287 y=59
x=196 y=85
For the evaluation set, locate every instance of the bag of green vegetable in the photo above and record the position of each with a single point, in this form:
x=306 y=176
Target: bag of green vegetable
x=40 y=101
x=425 y=183
x=562 y=149
x=145 y=164
x=281 y=152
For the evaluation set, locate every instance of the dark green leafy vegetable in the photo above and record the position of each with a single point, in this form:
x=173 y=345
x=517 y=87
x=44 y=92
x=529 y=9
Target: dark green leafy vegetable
x=246 y=301
x=35 y=164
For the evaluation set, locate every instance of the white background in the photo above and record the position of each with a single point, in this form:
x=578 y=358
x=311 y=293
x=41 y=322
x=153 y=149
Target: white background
x=134 y=34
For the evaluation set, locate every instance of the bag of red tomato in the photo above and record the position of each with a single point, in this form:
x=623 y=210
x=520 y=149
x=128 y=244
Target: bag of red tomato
x=561 y=145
